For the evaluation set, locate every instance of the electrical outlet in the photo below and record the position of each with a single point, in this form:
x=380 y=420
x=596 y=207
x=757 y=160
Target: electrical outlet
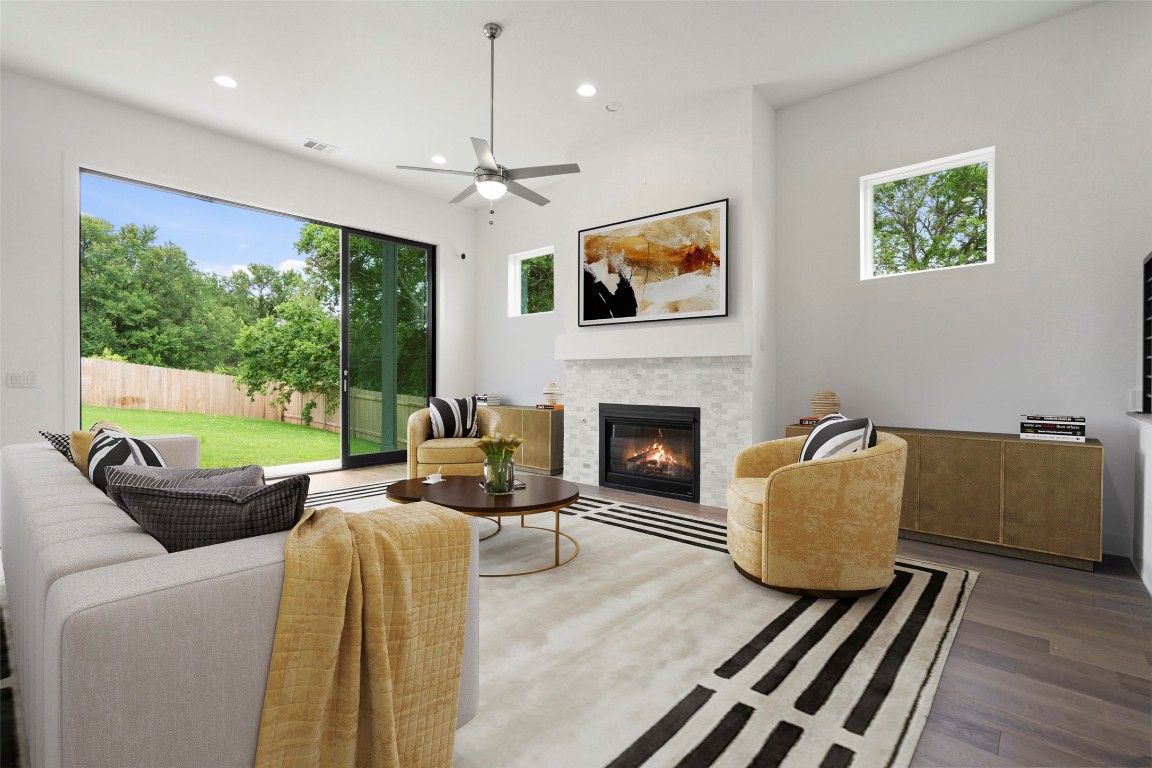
x=23 y=379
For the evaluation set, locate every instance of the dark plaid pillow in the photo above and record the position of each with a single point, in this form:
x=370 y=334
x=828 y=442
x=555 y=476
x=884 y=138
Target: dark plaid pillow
x=453 y=417
x=167 y=477
x=59 y=441
x=186 y=518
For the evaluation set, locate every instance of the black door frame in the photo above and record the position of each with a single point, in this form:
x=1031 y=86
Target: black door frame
x=347 y=460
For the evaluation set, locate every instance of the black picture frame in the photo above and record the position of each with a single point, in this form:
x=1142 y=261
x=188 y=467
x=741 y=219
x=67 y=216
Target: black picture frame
x=622 y=279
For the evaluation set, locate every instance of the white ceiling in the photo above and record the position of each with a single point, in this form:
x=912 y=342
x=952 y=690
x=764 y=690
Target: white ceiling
x=397 y=82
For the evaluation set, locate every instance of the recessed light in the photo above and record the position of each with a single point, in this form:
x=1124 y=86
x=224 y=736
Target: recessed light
x=439 y=159
x=586 y=90
x=613 y=106
x=225 y=81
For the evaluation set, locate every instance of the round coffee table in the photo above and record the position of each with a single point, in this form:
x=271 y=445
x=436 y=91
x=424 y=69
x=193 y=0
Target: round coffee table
x=464 y=493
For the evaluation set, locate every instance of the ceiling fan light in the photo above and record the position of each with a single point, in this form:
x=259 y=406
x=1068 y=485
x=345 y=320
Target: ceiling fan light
x=491 y=187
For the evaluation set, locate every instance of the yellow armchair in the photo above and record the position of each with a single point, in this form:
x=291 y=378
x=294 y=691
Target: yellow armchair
x=427 y=454
x=825 y=528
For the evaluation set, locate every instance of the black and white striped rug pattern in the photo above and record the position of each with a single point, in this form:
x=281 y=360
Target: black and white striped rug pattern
x=830 y=683
x=352 y=493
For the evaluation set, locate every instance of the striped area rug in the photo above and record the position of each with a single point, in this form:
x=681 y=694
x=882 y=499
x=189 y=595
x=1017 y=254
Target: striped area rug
x=674 y=659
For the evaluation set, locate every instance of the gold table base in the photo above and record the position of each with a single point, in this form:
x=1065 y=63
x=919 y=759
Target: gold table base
x=555 y=531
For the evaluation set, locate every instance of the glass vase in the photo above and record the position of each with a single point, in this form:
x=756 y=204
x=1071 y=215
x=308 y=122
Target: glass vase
x=499 y=477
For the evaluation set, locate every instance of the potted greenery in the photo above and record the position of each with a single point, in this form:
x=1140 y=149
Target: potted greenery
x=499 y=469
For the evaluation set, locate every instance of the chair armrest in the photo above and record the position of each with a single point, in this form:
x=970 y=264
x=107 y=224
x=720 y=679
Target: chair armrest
x=419 y=428
x=487 y=420
x=846 y=507
x=763 y=459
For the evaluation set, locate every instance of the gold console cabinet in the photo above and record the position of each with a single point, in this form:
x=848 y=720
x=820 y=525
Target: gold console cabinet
x=543 y=433
x=1032 y=499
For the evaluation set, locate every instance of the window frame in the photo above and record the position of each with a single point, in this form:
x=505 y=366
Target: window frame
x=867 y=205
x=515 y=261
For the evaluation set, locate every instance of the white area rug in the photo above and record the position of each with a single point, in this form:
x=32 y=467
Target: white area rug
x=649 y=649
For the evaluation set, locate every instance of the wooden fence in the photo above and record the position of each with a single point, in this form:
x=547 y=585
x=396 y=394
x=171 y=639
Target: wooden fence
x=148 y=387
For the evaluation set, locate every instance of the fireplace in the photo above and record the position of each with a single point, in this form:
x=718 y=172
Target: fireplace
x=651 y=449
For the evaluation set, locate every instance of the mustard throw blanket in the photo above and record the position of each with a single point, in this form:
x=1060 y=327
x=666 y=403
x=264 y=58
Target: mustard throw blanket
x=365 y=667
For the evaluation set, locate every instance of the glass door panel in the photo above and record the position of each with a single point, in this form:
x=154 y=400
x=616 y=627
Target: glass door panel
x=387 y=344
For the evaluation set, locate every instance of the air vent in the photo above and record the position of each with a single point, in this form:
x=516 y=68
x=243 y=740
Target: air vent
x=320 y=146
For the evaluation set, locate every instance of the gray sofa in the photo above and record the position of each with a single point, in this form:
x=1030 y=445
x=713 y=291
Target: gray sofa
x=128 y=655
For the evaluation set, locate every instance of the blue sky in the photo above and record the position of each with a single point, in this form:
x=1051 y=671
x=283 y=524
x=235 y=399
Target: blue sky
x=218 y=237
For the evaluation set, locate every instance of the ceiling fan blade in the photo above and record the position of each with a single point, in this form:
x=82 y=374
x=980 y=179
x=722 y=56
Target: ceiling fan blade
x=522 y=191
x=464 y=195
x=484 y=154
x=537 y=171
x=434 y=170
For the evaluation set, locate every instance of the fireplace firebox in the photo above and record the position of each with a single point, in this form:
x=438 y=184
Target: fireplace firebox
x=651 y=449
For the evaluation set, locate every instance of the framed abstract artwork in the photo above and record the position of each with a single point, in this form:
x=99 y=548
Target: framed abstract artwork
x=667 y=266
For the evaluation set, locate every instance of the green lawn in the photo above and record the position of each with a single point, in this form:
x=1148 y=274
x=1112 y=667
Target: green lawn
x=229 y=441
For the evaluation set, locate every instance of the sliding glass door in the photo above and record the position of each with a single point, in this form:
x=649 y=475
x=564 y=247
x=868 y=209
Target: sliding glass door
x=388 y=343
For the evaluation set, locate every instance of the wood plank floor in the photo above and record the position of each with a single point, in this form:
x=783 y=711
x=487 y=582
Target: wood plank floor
x=1051 y=666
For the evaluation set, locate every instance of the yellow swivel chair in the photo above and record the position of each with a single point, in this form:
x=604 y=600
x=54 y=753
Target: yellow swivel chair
x=455 y=455
x=825 y=528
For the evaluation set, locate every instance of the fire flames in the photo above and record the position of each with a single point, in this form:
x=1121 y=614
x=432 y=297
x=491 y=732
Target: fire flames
x=658 y=460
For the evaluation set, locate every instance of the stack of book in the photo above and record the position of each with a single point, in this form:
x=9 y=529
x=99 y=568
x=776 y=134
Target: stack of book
x=549 y=406
x=488 y=400
x=1068 y=429
x=807 y=421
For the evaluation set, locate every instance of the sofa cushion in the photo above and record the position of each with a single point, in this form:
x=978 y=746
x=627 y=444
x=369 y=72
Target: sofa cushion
x=80 y=442
x=453 y=417
x=186 y=518
x=131 y=475
x=110 y=449
x=449 y=450
x=835 y=435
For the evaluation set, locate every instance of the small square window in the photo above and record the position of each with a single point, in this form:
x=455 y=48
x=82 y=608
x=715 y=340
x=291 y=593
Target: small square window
x=531 y=282
x=928 y=216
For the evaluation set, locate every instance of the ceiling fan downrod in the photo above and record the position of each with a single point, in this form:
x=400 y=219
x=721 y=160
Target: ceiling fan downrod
x=492 y=31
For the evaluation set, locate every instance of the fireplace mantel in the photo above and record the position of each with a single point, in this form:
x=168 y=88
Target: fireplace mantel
x=658 y=339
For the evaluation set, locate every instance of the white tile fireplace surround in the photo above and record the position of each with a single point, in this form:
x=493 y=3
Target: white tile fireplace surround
x=721 y=387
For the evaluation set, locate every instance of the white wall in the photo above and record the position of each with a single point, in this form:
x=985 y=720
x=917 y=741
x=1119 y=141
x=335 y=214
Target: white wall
x=514 y=355
x=50 y=132
x=1052 y=326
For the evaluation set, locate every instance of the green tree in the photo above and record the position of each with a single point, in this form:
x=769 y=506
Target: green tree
x=935 y=220
x=536 y=284
x=147 y=302
x=320 y=248
x=258 y=289
x=295 y=349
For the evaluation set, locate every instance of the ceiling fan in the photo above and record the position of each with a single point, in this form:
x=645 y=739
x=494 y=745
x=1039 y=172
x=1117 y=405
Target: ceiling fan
x=489 y=178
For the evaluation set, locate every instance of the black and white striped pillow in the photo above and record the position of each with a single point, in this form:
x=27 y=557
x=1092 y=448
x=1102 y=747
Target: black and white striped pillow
x=111 y=449
x=453 y=417
x=835 y=435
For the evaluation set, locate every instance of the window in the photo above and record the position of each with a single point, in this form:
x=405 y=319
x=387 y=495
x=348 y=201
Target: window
x=932 y=215
x=530 y=282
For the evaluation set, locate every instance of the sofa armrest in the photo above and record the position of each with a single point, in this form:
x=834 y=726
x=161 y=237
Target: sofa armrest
x=762 y=459
x=179 y=451
x=146 y=660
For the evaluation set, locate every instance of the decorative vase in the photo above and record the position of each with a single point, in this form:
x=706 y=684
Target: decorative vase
x=552 y=393
x=824 y=402
x=499 y=477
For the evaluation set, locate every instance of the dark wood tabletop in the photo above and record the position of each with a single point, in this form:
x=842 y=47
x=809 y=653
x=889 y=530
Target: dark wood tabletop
x=463 y=493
